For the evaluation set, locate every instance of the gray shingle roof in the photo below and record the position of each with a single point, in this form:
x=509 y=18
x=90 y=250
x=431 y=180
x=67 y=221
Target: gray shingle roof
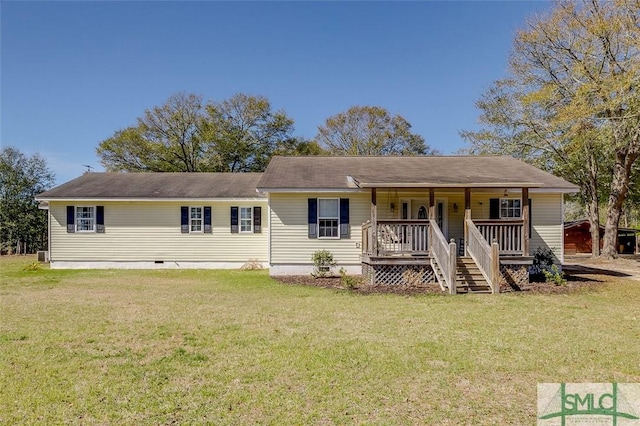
x=157 y=185
x=427 y=171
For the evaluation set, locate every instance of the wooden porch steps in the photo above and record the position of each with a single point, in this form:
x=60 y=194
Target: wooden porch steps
x=469 y=278
x=438 y=274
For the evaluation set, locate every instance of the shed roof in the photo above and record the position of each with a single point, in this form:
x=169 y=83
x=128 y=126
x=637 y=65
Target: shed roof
x=585 y=225
x=422 y=171
x=157 y=186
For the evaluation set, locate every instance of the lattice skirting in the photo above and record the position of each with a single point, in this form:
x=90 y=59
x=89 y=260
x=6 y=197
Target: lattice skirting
x=513 y=277
x=398 y=275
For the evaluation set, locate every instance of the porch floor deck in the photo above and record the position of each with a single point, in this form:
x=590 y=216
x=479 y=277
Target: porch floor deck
x=396 y=259
x=421 y=258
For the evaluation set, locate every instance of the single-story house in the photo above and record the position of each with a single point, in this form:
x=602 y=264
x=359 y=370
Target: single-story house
x=470 y=223
x=145 y=220
x=577 y=238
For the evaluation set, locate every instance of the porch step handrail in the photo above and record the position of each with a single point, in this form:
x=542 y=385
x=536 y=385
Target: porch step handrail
x=444 y=254
x=485 y=256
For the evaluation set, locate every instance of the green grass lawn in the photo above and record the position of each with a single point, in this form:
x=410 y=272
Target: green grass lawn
x=235 y=347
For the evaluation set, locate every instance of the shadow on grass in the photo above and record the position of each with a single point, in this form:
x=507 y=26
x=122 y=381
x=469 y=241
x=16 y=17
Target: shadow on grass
x=577 y=272
x=581 y=278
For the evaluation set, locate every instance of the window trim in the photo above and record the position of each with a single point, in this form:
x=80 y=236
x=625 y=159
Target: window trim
x=201 y=231
x=519 y=217
x=240 y=219
x=77 y=219
x=337 y=218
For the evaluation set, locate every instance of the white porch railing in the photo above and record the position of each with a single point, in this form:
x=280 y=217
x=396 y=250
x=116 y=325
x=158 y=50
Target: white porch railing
x=395 y=237
x=508 y=235
x=444 y=254
x=485 y=256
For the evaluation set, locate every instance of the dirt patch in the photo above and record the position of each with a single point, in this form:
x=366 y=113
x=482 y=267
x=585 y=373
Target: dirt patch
x=574 y=283
x=362 y=288
x=581 y=272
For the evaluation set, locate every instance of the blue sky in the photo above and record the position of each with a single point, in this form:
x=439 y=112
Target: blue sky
x=72 y=73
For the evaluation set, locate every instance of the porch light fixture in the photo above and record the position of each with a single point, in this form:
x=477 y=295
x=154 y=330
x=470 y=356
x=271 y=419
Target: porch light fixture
x=505 y=192
x=392 y=207
x=455 y=207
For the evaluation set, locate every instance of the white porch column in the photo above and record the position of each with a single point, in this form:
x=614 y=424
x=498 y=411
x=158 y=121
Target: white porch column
x=374 y=221
x=525 y=221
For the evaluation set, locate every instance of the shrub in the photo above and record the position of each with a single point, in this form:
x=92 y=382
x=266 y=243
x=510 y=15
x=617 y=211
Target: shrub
x=554 y=275
x=348 y=281
x=33 y=266
x=323 y=263
x=251 y=265
x=542 y=261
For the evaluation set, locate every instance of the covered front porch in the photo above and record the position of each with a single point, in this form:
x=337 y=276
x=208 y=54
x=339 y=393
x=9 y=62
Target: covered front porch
x=466 y=239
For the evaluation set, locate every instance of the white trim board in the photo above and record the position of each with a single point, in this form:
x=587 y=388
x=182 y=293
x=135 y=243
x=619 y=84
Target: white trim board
x=148 y=265
x=307 y=269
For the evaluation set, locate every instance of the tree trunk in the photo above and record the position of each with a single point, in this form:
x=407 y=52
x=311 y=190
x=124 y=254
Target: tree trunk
x=619 y=190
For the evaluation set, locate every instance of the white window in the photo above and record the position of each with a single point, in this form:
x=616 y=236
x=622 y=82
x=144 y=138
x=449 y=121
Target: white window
x=195 y=219
x=246 y=219
x=85 y=219
x=510 y=208
x=328 y=217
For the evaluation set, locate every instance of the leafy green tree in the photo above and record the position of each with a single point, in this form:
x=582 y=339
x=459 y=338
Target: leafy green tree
x=167 y=138
x=571 y=103
x=187 y=134
x=23 y=226
x=243 y=133
x=370 y=130
x=299 y=146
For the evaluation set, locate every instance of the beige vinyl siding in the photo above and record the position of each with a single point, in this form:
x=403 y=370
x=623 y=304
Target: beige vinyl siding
x=150 y=231
x=290 y=243
x=546 y=218
x=547 y=226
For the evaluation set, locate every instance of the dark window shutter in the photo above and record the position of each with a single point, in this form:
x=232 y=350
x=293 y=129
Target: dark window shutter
x=184 y=219
x=530 y=216
x=100 y=219
x=234 y=220
x=257 y=219
x=344 y=218
x=71 y=216
x=312 y=214
x=494 y=208
x=207 y=219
